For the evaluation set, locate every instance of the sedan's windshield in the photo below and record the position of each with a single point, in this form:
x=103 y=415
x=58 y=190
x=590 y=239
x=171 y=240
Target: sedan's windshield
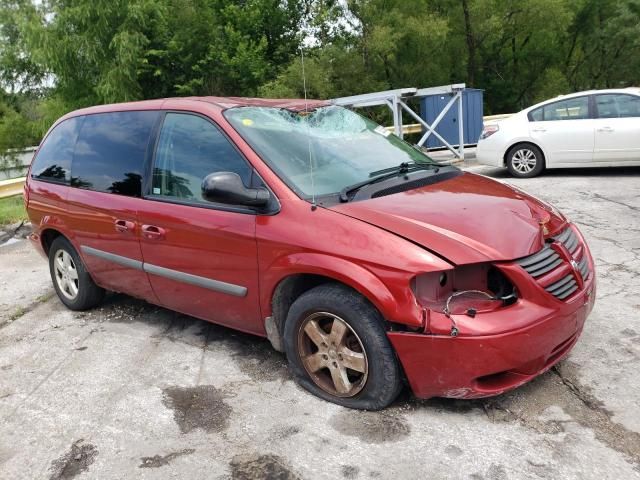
x=322 y=151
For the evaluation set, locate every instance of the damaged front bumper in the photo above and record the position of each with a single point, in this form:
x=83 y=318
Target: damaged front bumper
x=477 y=366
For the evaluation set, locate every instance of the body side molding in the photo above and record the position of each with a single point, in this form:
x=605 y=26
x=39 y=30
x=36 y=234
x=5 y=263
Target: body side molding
x=198 y=281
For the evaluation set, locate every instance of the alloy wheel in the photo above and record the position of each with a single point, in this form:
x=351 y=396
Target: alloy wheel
x=66 y=274
x=524 y=160
x=332 y=354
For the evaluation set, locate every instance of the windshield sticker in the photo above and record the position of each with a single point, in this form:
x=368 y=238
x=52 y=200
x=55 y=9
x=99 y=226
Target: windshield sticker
x=382 y=131
x=247 y=122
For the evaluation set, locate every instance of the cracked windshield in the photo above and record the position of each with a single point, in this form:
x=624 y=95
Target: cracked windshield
x=321 y=151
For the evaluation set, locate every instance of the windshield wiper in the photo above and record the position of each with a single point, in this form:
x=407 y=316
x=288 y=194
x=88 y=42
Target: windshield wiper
x=405 y=167
x=379 y=175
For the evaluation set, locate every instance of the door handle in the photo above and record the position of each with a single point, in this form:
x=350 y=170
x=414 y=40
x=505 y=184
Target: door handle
x=539 y=129
x=605 y=129
x=124 y=226
x=152 y=232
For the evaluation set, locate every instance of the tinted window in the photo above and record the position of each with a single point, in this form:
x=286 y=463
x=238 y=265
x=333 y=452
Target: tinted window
x=571 y=109
x=189 y=149
x=53 y=161
x=109 y=155
x=617 y=106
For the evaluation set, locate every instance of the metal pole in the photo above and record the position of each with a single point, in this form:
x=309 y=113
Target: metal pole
x=397 y=117
x=430 y=129
x=460 y=127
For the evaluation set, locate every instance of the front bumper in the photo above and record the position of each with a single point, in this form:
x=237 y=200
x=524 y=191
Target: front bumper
x=485 y=365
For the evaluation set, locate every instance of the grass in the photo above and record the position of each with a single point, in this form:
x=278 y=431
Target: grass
x=19 y=312
x=12 y=210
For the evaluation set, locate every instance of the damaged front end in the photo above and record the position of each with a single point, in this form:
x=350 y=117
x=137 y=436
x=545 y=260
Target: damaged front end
x=468 y=290
x=490 y=327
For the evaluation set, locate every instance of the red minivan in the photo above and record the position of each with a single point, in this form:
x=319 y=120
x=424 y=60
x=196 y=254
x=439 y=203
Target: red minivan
x=364 y=260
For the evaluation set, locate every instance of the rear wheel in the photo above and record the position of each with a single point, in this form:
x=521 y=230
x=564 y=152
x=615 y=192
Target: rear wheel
x=72 y=282
x=338 y=349
x=525 y=161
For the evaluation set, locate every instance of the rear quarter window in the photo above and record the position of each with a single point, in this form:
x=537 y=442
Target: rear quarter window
x=536 y=115
x=110 y=152
x=53 y=160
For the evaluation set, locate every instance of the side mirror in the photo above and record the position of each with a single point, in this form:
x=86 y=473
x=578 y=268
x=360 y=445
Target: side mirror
x=227 y=187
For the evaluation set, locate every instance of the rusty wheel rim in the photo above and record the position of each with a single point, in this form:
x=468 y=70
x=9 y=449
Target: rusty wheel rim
x=332 y=354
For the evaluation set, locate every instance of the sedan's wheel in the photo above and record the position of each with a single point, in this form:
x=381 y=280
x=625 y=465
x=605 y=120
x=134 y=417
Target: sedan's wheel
x=525 y=161
x=338 y=348
x=332 y=354
x=72 y=282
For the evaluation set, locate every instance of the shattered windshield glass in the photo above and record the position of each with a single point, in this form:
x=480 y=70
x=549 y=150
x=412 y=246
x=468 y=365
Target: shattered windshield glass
x=321 y=151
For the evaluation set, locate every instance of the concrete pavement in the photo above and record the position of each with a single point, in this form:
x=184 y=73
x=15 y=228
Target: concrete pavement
x=132 y=390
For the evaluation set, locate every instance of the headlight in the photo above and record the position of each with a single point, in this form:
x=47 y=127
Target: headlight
x=466 y=290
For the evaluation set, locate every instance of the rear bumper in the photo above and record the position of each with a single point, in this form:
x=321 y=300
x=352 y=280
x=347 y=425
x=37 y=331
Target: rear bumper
x=488 y=154
x=37 y=243
x=483 y=366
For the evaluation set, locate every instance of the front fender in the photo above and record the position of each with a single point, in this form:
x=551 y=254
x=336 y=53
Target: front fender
x=392 y=297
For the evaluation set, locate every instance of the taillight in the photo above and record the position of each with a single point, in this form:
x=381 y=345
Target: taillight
x=489 y=130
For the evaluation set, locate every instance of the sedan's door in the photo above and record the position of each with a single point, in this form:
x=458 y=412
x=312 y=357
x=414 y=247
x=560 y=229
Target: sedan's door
x=201 y=257
x=617 y=139
x=564 y=130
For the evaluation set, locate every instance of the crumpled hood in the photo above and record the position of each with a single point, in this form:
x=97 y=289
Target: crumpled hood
x=466 y=219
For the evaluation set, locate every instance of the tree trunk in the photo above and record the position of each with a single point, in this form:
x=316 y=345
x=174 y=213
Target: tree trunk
x=471 y=45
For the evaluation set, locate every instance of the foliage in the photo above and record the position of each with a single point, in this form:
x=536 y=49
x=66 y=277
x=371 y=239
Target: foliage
x=12 y=210
x=58 y=55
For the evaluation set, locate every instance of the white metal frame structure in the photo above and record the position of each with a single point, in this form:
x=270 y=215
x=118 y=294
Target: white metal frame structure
x=396 y=101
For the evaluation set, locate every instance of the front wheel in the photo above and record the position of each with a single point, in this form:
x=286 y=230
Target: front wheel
x=338 y=349
x=525 y=161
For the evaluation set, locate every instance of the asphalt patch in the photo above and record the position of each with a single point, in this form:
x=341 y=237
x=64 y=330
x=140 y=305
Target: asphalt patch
x=349 y=471
x=200 y=407
x=158 y=461
x=74 y=462
x=260 y=467
x=371 y=427
x=285 y=432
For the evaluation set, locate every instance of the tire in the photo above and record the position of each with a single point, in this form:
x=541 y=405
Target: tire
x=525 y=160
x=73 y=284
x=326 y=311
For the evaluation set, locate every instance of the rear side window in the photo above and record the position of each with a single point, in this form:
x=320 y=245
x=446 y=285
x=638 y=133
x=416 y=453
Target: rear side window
x=190 y=148
x=571 y=109
x=617 y=106
x=53 y=161
x=110 y=153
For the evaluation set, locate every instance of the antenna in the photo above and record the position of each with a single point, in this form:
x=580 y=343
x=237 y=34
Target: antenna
x=306 y=109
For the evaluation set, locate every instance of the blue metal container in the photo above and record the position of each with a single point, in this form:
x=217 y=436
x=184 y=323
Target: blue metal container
x=432 y=105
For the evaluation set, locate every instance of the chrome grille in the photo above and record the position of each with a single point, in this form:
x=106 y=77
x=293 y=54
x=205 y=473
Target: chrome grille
x=569 y=238
x=552 y=272
x=542 y=262
x=583 y=266
x=563 y=287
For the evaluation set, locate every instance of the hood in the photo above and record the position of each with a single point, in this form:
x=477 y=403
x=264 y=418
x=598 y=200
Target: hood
x=466 y=219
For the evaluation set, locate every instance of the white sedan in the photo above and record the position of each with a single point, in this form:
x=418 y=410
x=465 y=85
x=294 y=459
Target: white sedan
x=598 y=128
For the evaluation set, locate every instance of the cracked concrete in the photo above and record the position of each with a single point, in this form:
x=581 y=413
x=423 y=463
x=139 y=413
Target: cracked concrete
x=132 y=390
